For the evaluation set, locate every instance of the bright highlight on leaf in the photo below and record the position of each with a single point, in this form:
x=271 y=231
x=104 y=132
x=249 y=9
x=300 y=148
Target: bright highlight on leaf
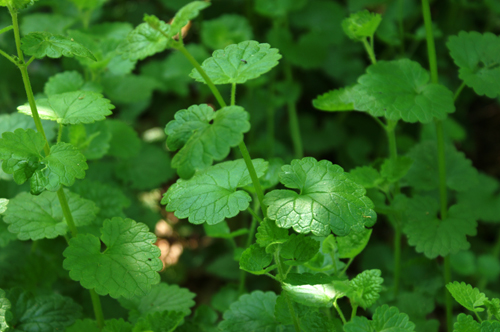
x=127 y=267
x=435 y=237
x=42 y=44
x=38 y=217
x=470 y=298
x=361 y=25
x=210 y=196
x=4 y=307
x=328 y=200
x=335 y=100
x=17 y=4
x=239 y=63
x=72 y=107
x=400 y=90
x=478 y=56
x=203 y=136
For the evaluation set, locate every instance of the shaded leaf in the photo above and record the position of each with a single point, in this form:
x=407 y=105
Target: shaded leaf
x=41 y=44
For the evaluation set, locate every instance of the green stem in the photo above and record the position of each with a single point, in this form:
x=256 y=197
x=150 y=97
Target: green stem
x=254 y=214
x=346 y=266
x=8 y=57
x=59 y=132
x=397 y=256
x=288 y=301
x=293 y=117
x=251 y=234
x=341 y=314
x=233 y=94
x=30 y=61
x=369 y=50
x=10 y=27
x=38 y=123
x=222 y=103
x=354 y=311
x=66 y=212
x=96 y=303
x=393 y=151
x=431 y=53
x=200 y=70
x=459 y=90
x=377 y=120
x=401 y=25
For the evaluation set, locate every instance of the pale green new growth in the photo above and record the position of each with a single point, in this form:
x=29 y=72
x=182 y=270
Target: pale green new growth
x=239 y=63
x=252 y=312
x=470 y=298
x=365 y=288
x=478 y=56
x=126 y=268
x=203 y=136
x=210 y=196
x=4 y=307
x=255 y=259
x=361 y=25
x=328 y=200
x=435 y=237
x=320 y=295
x=42 y=44
x=38 y=217
x=72 y=107
x=161 y=297
x=384 y=319
x=353 y=244
x=400 y=90
x=335 y=100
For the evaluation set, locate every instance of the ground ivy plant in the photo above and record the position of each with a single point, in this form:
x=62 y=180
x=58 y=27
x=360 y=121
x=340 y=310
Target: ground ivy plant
x=295 y=231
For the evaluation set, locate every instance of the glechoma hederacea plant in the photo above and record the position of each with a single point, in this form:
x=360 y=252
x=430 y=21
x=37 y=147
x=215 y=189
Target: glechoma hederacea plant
x=87 y=203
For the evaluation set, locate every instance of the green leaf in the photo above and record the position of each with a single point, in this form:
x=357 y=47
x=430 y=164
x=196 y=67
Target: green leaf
x=466 y=323
x=353 y=244
x=424 y=172
x=125 y=142
x=268 y=233
x=38 y=217
x=277 y=8
x=384 y=319
x=42 y=44
x=488 y=267
x=144 y=41
x=128 y=88
x=128 y=267
x=252 y=312
x=160 y=298
x=41 y=313
x=148 y=170
x=435 y=237
x=53 y=23
x=470 y=298
x=3 y=205
x=20 y=151
x=203 y=136
x=298 y=279
x=482 y=199
x=89 y=325
x=321 y=295
x=72 y=107
x=335 y=100
x=490 y=326
x=4 y=307
x=239 y=63
x=478 y=57
x=328 y=200
x=165 y=321
x=221 y=230
x=185 y=14
x=255 y=260
x=88 y=4
x=493 y=307
x=17 y=4
x=299 y=249
x=366 y=176
x=210 y=196
x=91 y=139
x=225 y=30
x=13 y=121
x=63 y=165
x=365 y=288
x=361 y=25
x=67 y=81
x=400 y=89
x=393 y=172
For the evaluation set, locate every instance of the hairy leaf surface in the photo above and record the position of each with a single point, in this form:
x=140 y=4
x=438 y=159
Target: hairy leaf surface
x=328 y=200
